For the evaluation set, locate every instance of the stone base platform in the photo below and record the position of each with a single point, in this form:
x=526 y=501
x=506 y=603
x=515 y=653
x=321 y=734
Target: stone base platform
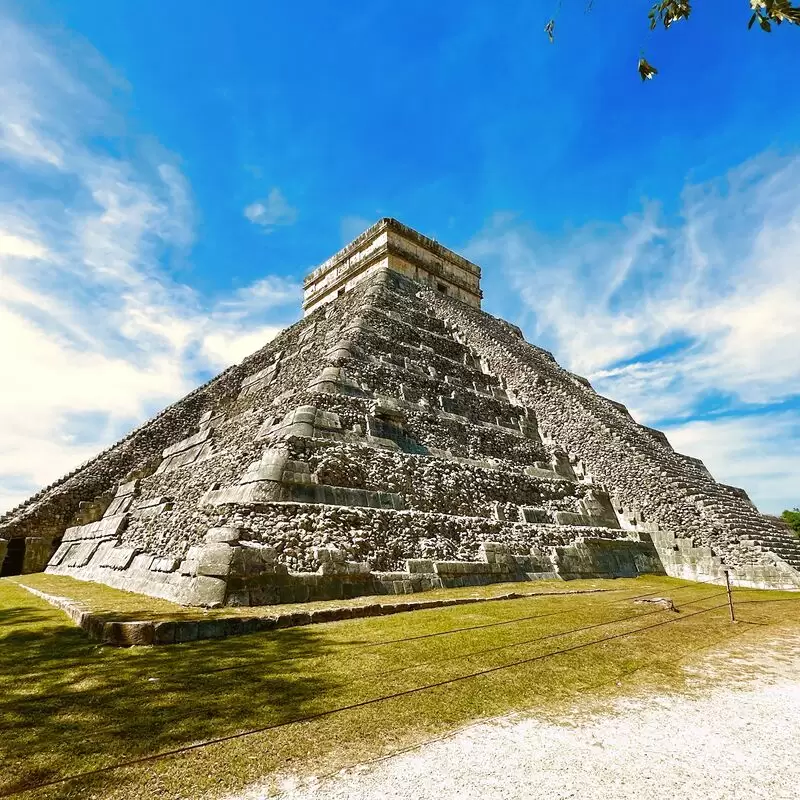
x=228 y=570
x=132 y=633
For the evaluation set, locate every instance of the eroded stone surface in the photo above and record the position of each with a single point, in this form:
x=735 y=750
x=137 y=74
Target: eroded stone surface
x=395 y=439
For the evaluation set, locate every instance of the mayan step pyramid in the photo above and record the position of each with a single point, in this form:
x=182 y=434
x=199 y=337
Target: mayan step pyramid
x=396 y=439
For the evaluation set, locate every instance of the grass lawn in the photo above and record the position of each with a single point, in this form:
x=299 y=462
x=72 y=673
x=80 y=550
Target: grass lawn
x=118 y=605
x=321 y=697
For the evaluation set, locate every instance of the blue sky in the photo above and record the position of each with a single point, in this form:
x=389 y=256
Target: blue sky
x=169 y=172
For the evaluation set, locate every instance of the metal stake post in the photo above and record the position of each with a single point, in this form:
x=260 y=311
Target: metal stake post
x=730 y=596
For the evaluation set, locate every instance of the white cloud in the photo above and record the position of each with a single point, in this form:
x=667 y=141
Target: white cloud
x=262 y=294
x=272 y=211
x=723 y=276
x=225 y=346
x=96 y=333
x=17 y=247
x=239 y=324
x=678 y=318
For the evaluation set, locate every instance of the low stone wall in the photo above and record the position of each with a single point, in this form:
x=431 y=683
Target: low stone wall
x=602 y=558
x=38 y=550
x=682 y=559
x=230 y=569
x=179 y=631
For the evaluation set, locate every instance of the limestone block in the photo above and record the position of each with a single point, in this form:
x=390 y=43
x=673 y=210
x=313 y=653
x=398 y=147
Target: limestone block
x=204 y=591
x=118 y=557
x=165 y=564
x=322 y=554
x=131 y=487
x=150 y=502
x=81 y=553
x=184 y=458
x=223 y=535
x=302 y=414
x=153 y=509
x=60 y=555
x=214 y=560
x=37 y=554
x=572 y=518
x=543 y=470
x=164 y=632
x=119 y=505
x=186 y=444
x=327 y=381
x=489 y=552
x=189 y=565
x=185 y=631
x=247 y=560
x=258 y=491
x=108 y=527
x=342 y=350
x=260 y=379
x=212 y=629
x=450 y=568
x=331 y=568
x=599 y=558
x=238 y=599
x=419 y=565
x=264 y=471
x=533 y=515
x=597 y=505
x=327 y=420
x=126 y=634
x=529 y=431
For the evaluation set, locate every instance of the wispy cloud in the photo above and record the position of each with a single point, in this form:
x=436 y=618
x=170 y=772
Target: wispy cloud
x=680 y=318
x=271 y=212
x=97 y=332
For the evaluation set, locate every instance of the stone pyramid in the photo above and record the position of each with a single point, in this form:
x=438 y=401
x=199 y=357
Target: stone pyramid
x=396 y=439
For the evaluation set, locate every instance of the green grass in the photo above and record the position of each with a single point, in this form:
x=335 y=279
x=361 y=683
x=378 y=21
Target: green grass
x=69 y=706
x=119 y=605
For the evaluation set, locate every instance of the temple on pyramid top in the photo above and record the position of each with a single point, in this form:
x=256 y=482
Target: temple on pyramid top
x=389 y=244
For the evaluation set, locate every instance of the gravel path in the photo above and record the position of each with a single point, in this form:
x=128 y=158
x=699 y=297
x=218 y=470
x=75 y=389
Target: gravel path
x=738 y=740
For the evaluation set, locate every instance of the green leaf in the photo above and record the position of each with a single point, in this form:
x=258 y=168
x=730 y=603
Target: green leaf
x=752 y=20
x=765 y=26
x=646 y=71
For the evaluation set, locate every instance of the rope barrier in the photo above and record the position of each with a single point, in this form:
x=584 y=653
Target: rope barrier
x=364 y=703
x=250 y=664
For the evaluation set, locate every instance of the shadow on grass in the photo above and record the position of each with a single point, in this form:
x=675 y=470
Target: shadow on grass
x=68 y=705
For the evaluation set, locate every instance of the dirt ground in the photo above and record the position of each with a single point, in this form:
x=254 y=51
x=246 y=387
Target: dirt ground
x=734 y=733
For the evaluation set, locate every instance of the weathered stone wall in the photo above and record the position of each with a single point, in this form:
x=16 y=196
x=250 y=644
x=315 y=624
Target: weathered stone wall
x=233 y=567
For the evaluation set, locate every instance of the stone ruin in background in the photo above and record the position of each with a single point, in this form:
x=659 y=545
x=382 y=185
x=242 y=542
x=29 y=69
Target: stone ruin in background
x=396 y=439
